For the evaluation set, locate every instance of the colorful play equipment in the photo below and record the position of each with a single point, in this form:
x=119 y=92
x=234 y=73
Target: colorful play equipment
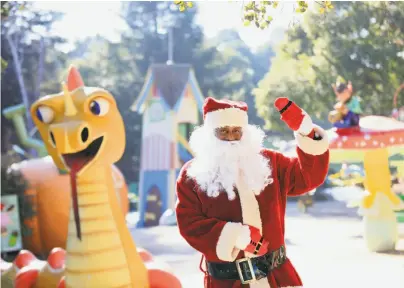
x=170 y=102
x=84 y=134
x=348 y=176
x=371 y=143
x=48 y=191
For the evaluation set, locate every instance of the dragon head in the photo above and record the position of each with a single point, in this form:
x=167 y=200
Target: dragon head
x=82 y=130
x=80 y=126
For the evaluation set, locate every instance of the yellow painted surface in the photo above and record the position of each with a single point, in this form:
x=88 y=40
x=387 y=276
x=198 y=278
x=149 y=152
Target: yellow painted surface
x=188 y=110
x=151 y=198
x=356 y=155
x=150 y=216
x=378 y=178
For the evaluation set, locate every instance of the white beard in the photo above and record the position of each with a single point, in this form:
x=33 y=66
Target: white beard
x=219 y=165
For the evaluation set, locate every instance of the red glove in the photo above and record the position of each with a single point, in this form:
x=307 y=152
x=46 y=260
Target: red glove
x=295 y=117
x=256 y=244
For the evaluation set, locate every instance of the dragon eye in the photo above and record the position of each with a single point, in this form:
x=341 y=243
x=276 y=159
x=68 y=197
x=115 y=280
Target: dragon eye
x=99 y=106
x=45 y=114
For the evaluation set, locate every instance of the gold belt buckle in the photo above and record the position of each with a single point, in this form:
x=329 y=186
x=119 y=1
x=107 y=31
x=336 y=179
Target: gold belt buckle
x=244 y=264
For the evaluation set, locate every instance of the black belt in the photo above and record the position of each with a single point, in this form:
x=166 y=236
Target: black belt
x=248 y=269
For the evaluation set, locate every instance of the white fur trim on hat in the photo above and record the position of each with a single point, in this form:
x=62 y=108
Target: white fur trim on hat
x=226 y=117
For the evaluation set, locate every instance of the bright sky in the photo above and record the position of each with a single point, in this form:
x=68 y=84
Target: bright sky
x=86 y=18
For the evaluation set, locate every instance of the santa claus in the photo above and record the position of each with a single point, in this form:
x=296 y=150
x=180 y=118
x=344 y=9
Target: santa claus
x=232 y=195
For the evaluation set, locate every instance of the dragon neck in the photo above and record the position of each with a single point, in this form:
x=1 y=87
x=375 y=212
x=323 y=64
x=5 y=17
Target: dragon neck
x=106 y=247
x=95 y=194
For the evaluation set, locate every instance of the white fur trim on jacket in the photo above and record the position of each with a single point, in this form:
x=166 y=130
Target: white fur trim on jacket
x=251 y=216
x=244 y=238
x=226 y=249
x=306 y=126
x=226 y=117
x=310 y=146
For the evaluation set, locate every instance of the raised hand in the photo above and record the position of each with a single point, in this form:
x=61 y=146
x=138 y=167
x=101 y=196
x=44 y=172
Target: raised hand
x=294 y=116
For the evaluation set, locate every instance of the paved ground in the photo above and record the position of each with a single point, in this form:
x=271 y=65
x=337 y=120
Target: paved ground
x=325 y=245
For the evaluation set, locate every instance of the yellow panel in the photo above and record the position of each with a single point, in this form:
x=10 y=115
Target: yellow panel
x=378 y=178
x=355 y=155
x=188 y=110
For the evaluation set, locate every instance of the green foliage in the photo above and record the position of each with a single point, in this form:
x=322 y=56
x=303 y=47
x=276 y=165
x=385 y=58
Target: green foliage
x=40 y=61
x=224 y=66
x=257 y=11
x=360 y=42
x=7 y=8
x=184 y=5
x=234 y=70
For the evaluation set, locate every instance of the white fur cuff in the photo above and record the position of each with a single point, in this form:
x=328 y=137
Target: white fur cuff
x=232 y=117
x=306 y=126
x=244 y=238
x=310 y=146
x=226 y=249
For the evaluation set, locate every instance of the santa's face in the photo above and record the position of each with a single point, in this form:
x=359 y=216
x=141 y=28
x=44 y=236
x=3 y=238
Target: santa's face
x=226 y=155
x=229 y=133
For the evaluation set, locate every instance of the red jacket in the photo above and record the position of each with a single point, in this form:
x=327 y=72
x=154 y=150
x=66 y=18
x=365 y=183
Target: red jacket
x=212 y=225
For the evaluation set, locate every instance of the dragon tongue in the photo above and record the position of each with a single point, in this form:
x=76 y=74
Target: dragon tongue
x=73 y=180
x=76 y=162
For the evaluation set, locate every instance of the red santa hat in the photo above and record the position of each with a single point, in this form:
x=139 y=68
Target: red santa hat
x=220 y=113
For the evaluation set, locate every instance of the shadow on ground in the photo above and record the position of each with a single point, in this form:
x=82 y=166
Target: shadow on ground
x=393 y=252
x=325 y=210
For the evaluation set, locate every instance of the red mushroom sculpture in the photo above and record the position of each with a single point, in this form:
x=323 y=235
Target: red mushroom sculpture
x=372 y=142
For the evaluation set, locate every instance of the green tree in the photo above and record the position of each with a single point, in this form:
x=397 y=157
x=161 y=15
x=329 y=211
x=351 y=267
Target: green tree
x=257 y=11
x=361 y=42
x=223 y=66
x=237 y=68
x=29 y=51
x=121 y=67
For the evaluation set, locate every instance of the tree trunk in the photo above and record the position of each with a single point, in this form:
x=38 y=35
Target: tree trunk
x=18 y=71
x=39 y=79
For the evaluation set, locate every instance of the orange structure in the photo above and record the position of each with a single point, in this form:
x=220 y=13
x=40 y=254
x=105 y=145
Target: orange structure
x=49 y=194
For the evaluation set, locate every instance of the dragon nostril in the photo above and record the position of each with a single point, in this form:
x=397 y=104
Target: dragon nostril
x=52 y=138
x=84 y=134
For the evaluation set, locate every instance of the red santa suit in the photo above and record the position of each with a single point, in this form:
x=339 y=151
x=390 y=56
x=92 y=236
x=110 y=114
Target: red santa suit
x=213 y=225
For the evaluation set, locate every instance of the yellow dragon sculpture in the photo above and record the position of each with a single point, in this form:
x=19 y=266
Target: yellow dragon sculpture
x=84 y=133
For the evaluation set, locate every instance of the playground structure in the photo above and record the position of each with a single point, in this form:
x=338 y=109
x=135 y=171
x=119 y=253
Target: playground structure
x=372 y=142
x=348 y=176
x=84 y=133
x=48 y=191
x=170 y=102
